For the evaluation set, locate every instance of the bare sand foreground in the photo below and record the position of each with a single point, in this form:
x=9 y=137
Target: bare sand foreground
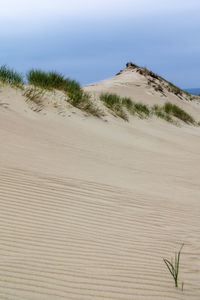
x=89 y=207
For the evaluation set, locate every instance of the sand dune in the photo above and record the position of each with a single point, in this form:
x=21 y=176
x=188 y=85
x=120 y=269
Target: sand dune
x=130 y=83
x=89 y=208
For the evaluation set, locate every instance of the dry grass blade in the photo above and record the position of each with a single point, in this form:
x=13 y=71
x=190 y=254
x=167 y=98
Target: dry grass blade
x=34 y=95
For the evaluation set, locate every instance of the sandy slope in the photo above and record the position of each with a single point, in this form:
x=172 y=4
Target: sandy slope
x=89 y=208
x=129 y=83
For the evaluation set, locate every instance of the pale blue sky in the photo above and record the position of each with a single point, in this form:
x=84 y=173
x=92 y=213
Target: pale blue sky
x=92 y=40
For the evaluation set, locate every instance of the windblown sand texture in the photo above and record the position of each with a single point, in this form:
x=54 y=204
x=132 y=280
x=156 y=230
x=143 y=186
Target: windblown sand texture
x=90 y=207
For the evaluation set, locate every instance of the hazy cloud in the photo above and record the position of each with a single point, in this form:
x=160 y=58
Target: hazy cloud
x=30 y=9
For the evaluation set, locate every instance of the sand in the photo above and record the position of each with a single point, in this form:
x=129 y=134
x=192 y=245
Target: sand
x=89 y=207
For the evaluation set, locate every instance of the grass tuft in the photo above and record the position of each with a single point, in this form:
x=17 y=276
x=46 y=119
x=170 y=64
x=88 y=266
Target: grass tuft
x=165 y=112
x=72 y=86
x=177 y=112
x=110 y=100
x=158 y=112
x=115 y=104
x=46 y=80
x=81 y=100
x=10 y=76
x=174 y=267
x=128 y=103
x=142 y=110
x=76 y=96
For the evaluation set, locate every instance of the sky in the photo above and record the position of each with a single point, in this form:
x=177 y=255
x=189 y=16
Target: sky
x=91 y=40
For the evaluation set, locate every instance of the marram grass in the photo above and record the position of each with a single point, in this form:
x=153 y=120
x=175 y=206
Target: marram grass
x=76 y=96
x=115 y=104
x=10 y=76
x=178 y=112
x=46 y=80
x=169 y=112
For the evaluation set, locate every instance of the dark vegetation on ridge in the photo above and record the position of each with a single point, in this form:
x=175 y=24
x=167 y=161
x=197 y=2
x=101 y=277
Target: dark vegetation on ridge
x=158 y=82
